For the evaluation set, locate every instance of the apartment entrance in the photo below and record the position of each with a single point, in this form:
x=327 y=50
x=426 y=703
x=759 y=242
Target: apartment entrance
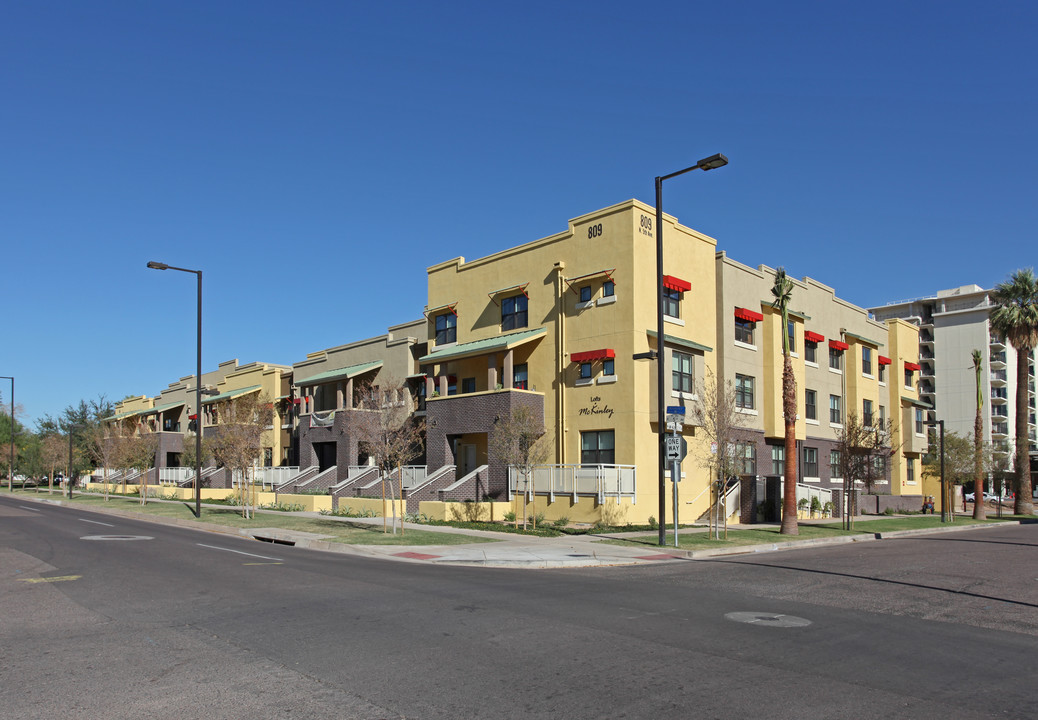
x=325 y=452
x=470 y=451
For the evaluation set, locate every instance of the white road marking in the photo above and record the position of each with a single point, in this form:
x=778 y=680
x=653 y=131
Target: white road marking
x=261 y=557
x=23 y=507
x=96 y=522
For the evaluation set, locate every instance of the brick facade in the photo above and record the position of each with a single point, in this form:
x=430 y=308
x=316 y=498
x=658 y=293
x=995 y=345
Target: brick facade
x=473 y=413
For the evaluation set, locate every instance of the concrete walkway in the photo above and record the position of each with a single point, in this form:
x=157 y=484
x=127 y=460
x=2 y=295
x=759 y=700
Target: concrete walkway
x=507 y=550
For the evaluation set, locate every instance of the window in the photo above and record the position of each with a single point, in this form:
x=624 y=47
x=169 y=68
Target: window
x=882 y=373
x=910 y=470
x=585 y=370
x=682 y=377
x=513 y=312
x=468 y=385
x=608 y=288
x=744 y=392
x=791 y=331
x=585 y=294
x=918 y=421
x=866 y=360
x=446 y=328
x=834 y=464
x=778 y=460
x=608 y=367
x=744 y=331
x=597 y=447
x=810 y=404
x=746 y=458
x=520 y=377
x=671 y=302
x=835 y=358
x=866 y=412
x=879 y=467
x=811 y=352
x=835 y=411
x=908 y=378
x=810 y=462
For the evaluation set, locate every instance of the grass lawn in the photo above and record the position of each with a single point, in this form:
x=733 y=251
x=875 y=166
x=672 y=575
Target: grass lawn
x=770 y=534
x=344 y=530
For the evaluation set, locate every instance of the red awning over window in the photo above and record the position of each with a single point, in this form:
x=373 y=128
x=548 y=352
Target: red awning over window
x=911 y=366
x=884 y=360
x=813 y=337
x=837 y=345
x=748 y=315
x=583 y=357
x=672 y=283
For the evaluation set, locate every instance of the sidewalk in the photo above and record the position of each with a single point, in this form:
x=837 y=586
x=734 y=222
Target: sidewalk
x=506 y=550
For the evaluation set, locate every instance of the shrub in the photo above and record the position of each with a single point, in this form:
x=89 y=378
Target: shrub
x=510 y=516
x=561 y=522
x=653 y=522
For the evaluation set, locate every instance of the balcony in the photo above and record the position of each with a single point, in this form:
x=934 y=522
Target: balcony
x=997 y=342
x=998 y=378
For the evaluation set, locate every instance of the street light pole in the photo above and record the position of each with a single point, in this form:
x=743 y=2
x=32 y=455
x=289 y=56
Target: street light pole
x=714 y=161
x=198 y=385
x=10 y=472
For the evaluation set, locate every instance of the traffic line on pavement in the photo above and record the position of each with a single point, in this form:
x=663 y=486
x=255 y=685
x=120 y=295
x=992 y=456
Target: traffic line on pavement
x=240 y=552
x=96 y=522
x=23 y=507
x=266 y=563
x=63 y=578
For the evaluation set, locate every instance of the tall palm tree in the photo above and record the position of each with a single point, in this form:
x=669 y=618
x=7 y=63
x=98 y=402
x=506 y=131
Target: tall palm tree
x=782 y=291
x=979 y=511
x=1016 y=317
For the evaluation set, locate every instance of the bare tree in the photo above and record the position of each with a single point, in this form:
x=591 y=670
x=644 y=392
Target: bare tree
x=104 y=444
x=238 y=442
x=138 y=452
x=519 y=441
x=385 y=425
x=863 y=454
x=718 y=420
x=53 y=454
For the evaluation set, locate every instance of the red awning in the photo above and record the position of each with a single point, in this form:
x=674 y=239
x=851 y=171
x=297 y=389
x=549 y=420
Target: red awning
x=911 y=366
x=588 y=356
x=813 y=337
x=884 y=360
x=748 y=315
x=672 y=283
x=192 y=417
x=837 y=345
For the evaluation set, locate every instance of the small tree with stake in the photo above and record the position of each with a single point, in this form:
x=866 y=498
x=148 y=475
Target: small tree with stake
x=863 y=454
x=238 y=442
x=384 y=423
x=518 y=440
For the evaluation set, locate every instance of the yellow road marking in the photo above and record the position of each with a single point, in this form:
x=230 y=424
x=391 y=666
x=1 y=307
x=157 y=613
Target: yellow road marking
x=51 y=579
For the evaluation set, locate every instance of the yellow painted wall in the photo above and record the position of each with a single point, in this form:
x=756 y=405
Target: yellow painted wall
x=621 y=240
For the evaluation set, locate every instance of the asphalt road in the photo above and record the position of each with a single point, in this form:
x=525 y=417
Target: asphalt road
x=189 y=625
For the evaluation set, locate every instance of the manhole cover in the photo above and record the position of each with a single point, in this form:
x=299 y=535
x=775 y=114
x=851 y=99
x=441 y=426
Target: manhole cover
x=117 y=537
x=767 y=619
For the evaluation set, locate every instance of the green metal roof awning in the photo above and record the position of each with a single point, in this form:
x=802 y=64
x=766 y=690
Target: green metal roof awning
x=123 y=416
x=483 y=347
x=864 y=340
x=230 y=394
x=917 y=403
x=681 y=342
x=341 y=374
x=162 y=408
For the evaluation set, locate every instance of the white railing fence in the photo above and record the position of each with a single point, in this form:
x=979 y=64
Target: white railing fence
x=175 y=475
x=601 y=481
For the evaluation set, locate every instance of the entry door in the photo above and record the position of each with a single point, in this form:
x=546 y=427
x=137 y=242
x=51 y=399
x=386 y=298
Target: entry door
x=325 y=452
x=467 y=455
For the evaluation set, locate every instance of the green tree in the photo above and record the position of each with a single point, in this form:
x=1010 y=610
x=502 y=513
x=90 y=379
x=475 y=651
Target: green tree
x=782 y=291
x=979 y=510
x=1015 y=317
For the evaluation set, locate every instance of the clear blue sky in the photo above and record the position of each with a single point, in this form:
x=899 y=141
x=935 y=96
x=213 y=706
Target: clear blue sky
x=314 y=158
